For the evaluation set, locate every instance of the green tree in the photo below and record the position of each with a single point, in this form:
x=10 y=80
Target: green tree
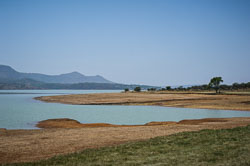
x=215 y=83
x=180 y=88
x=126 y=90
x=137 y=89
x=168 y=87
x=151 y=89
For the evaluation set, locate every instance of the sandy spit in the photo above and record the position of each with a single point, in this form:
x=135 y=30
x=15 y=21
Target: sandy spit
x=205 y=101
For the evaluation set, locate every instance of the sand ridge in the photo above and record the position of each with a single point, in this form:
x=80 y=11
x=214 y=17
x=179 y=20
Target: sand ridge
x=71 y=123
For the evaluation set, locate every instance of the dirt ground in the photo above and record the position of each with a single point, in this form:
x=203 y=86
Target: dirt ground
x=206 y=101
x=33 y=145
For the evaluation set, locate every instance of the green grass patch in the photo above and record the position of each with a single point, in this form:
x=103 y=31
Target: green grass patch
x=206 y=147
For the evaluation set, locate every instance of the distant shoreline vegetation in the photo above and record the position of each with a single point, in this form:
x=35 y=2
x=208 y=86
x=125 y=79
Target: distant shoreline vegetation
x=206 y=87
x=31 y=84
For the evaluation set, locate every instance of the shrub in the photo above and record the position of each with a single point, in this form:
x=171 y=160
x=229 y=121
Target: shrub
x=137 y=89
x=126 y=90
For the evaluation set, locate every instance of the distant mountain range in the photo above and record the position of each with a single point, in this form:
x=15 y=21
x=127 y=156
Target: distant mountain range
x=12 y=79
x=6 y=72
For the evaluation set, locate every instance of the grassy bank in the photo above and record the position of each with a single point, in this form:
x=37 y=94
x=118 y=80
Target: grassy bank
x=206 y=147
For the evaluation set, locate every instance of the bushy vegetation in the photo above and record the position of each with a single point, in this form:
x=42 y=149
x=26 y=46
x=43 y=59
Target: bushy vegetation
x=168 y=87
x=206 y=147
x=126 y=90
x=214 y=84
x=234 y=86
x=137 y=89
x=151 y=89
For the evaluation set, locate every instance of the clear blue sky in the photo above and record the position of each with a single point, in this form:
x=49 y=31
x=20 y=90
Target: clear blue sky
x=156 y=42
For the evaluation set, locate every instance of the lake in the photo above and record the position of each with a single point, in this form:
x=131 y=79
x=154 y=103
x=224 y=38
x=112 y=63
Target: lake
x=18 y=110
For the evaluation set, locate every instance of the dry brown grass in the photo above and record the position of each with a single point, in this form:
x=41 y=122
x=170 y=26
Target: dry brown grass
x=32 y=145
x=185 y=100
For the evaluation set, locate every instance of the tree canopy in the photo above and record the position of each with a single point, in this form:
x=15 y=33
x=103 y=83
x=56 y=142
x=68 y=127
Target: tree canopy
x=215 y=83
x=137 y=89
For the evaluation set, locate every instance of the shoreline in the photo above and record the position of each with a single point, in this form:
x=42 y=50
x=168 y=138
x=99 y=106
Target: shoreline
x=65 y=136
x=33 y=145
x=235 y=102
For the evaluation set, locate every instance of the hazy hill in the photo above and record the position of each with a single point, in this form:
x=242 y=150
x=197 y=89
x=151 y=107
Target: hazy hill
x=8 y=73
x=11 y=79
x=32 y=84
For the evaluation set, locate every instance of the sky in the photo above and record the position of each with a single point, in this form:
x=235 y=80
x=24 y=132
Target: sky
x=153 y=42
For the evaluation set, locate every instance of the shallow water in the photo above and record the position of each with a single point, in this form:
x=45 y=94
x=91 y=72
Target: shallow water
x=18 y=110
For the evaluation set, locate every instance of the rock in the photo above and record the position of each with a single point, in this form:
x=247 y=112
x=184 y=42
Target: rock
x=3 y=131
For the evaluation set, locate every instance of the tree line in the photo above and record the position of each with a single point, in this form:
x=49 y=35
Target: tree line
x=214 y=84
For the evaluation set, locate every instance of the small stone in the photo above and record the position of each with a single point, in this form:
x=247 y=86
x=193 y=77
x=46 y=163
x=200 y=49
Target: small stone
x=3 y=130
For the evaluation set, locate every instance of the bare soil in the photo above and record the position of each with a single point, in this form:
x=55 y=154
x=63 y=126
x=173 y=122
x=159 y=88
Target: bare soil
x=33 y=145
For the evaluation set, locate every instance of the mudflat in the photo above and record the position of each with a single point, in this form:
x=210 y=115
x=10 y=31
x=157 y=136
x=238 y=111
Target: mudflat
x=33 y=145
x=185 y=100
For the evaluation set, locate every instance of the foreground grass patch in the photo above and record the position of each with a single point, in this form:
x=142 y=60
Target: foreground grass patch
x=206 y=147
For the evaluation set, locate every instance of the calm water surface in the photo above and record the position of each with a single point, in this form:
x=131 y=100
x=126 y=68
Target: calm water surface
x=18 y=110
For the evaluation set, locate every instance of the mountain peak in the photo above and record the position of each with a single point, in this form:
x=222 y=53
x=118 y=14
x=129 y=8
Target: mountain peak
x=76 y=73
x=6 y=68
x=6 y=72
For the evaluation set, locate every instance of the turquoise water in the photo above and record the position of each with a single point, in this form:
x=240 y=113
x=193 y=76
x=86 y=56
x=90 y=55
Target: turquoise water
x=18 y=110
